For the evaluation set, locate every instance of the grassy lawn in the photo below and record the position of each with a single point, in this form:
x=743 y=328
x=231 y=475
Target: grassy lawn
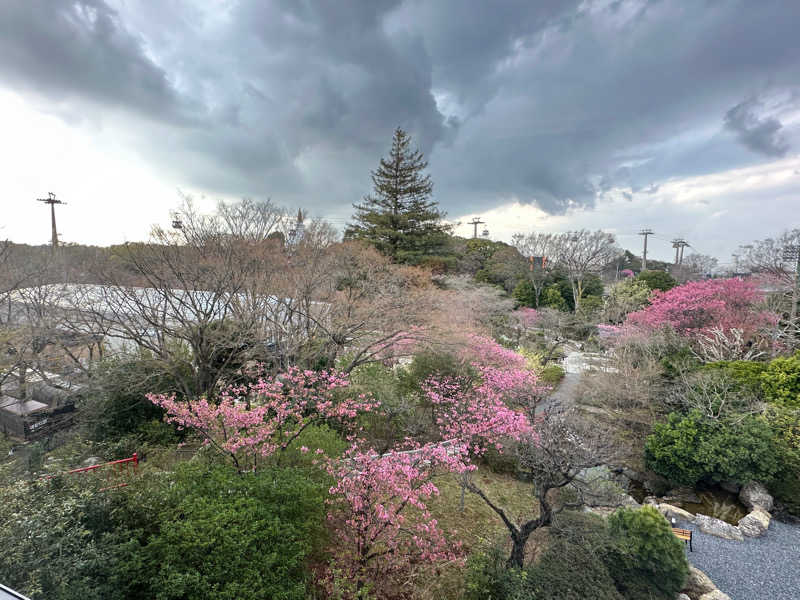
x=476 y=525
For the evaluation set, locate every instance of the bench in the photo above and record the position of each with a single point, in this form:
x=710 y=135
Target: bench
x=685 y=535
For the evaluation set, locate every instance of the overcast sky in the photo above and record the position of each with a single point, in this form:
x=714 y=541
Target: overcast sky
x=549 y=115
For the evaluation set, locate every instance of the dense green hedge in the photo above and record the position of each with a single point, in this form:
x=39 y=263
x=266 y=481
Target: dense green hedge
x=691 y=448
x=201 y=532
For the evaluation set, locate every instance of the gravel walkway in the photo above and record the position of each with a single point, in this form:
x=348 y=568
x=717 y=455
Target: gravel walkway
x=765 y=568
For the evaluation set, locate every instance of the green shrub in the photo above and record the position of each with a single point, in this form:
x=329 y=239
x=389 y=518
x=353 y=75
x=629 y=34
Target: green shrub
x=230 y=536
x=568 y=571
x=114 y=404
x=692 y=448
x=487 y=577
x=746 y=373
x=648 y=561
x=573 y=565
x=552 y=374
x=785 y=424
x=525 y=294
x=428 y=363
x=197 y=533
x=552 y=298
x=635 y=557
x=314 y=437
x=780 y=381
x=658 y=280
x=500 y=462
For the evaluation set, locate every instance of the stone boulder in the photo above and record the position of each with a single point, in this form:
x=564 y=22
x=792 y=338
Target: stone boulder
x=755 y=523
x=754 y=495
x=718 y=528
x=682 y=597
x=698 y=583
x=715 y=595
x=673 y=512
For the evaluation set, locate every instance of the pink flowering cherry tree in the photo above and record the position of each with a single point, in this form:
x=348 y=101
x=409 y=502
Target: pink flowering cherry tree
x=709 y=308
x=251 y=422
x=476 y=416
x=383 y=529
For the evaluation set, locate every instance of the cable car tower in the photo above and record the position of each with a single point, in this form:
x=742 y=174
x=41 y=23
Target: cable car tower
x=52 y=201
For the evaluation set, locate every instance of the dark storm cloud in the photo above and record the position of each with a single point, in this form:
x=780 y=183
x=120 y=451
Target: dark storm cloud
x=65 y=49
x=550 y=102
x=759 y=134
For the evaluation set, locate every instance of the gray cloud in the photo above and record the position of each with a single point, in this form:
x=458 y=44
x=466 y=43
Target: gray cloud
x=67 y=49
x=550 y=102
x=759 y=134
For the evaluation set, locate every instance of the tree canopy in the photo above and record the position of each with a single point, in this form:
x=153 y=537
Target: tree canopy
x=399 y=218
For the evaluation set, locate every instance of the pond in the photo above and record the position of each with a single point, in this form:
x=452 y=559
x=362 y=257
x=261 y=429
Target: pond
x=718 y=503
x=714 y=502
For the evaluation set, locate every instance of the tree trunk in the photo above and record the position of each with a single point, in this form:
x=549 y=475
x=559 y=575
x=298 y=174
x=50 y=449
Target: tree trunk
x=518 y=541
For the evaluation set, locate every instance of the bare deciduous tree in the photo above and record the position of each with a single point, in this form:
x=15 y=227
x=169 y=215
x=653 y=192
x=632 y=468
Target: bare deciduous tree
x=700 y=265
x=537 y=245
x=583 y=252
x=766 y=256
x=552 y=459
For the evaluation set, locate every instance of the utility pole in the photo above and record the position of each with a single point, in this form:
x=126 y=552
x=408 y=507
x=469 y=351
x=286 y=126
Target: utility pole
x=645 y=233
x=52 y=201
x=679 y=244
x=475 y=222
x=792 y=252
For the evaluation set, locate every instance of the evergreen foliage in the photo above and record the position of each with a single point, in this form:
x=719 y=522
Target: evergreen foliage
x=524 y=294
x=745 y=373
x=552 y=298
x=649 y=561
x=399 y=218
x=780 y=381
x=200 y=532
x=691 y=448
x=658 y=280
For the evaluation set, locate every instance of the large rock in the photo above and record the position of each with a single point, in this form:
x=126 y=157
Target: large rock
x=673 y=512
x=602 y=487
x=718 y=528
x=715 y=595
x=682 y=597
x=698 y=583
x=754 y=494
x=755 y=523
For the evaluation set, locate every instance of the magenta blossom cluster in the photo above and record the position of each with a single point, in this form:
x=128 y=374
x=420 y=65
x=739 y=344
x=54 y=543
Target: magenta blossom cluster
x=485 y=352
x=476 y=415
x=256 y=420
x=383 y=528
x=699 y=306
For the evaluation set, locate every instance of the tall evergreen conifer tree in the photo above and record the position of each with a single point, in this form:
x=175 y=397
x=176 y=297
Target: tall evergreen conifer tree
x=399 y=218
